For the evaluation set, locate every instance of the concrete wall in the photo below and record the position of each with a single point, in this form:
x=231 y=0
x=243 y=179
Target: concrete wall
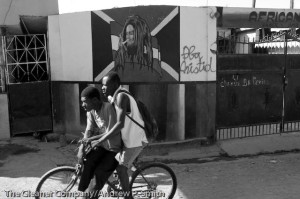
x=205 y=109
x=4 y=121
x=198 y=33
x=70 y=44
x=83 y=47
x=11 y=10
x=66 y=109
x=175 y=112
x=182 y=111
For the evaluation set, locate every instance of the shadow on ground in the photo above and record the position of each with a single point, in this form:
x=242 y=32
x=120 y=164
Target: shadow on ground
x=28 y=157
x=14 y=149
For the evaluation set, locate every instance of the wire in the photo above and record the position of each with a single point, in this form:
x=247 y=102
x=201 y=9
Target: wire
x=7 y=11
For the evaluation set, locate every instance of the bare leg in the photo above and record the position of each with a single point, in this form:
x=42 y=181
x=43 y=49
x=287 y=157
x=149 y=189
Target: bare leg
x=124 y=179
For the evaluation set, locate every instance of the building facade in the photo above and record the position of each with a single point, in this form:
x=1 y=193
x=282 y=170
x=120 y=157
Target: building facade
x=203 y=72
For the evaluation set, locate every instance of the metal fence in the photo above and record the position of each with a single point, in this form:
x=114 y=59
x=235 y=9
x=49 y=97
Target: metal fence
x=26 y=58
x=249 y=58
x=256 y=130
x=241 y=44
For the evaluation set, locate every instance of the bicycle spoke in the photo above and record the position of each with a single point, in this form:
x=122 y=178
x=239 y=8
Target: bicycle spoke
x=60 y=184
x=153 y=182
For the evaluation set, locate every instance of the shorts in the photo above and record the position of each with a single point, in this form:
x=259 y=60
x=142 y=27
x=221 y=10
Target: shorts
x=127 y=156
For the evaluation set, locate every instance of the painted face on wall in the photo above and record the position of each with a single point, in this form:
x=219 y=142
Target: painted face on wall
x=130 y=35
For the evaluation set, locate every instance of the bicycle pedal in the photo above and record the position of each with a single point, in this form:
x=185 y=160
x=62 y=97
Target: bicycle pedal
x=115 y=174
x=133 y=169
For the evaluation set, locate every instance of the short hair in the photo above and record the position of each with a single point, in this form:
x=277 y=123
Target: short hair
x=90 y=92
x=114 y=77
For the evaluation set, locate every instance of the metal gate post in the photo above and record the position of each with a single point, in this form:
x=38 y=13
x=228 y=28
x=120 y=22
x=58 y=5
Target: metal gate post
x=284 y=85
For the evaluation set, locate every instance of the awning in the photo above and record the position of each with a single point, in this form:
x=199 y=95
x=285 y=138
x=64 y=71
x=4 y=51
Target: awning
x=34 y=24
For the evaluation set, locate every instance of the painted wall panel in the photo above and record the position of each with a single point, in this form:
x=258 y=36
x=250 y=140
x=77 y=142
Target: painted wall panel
x=197 y=44
x=102 y=54
x=169 y=44
x=152 y=54
x=147 y=56
x=76 y=46
x=54 y=45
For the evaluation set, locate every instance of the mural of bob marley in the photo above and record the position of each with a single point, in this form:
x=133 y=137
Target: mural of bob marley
x=137 y=57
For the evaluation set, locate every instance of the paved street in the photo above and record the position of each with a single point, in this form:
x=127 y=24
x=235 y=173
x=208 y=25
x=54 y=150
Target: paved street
x=265 y=176
x=260 y=177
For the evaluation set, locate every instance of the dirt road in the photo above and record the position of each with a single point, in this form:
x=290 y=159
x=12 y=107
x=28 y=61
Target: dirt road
x=260 y=177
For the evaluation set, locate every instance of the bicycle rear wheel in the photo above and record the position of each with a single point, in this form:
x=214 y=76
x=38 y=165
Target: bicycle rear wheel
x=153 y=180
x=60 y=182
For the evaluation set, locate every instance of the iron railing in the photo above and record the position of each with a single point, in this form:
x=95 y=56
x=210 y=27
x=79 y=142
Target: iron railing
x=240 y=44
x=26 y=58
x=256 y=130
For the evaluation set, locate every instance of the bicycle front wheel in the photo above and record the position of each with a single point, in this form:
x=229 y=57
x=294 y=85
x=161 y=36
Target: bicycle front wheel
x=153 y=180
x=60 y=182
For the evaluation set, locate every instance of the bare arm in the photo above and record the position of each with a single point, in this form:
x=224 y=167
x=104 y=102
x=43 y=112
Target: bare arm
x=87 y=134
x=91 y=138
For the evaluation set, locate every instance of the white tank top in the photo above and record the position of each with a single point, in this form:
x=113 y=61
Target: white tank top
x=132 y=134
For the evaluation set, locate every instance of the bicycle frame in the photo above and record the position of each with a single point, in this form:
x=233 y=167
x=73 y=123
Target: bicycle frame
x=74 y=179
x=140 y=172
x=79 y=167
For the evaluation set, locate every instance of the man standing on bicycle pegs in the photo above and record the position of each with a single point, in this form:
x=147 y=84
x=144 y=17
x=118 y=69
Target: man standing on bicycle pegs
x=100 y=161
x=133 y=136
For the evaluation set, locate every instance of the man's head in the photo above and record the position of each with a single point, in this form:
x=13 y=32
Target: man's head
x=110 y=83
x=90 y=98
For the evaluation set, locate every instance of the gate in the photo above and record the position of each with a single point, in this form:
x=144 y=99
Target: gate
x=258 y=92
x=28 y=85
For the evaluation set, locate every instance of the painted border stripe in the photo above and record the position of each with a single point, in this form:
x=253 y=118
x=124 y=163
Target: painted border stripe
x=170 y=70
x=114 y=42
x=105 y=71
x=104 y=16
x=165 y=21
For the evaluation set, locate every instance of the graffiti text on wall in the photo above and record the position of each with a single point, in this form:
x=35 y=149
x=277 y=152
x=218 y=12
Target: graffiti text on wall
x=243 y=82
x=192 y=62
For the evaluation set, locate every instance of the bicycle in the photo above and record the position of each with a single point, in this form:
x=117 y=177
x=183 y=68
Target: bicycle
x=148 y=180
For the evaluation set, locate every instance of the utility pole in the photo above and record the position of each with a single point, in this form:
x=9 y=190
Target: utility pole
x=293 y=30
x=292 y=4
x=254 y=2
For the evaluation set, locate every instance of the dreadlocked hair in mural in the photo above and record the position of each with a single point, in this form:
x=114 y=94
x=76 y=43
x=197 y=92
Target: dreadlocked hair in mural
x=141 y=49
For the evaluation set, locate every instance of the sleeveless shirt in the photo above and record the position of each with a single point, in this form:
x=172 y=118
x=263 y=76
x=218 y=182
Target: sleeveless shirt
x=132 y=134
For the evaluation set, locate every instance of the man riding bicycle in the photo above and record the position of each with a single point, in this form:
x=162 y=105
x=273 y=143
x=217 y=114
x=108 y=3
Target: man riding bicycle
x=100 y=161
x=133 y=136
